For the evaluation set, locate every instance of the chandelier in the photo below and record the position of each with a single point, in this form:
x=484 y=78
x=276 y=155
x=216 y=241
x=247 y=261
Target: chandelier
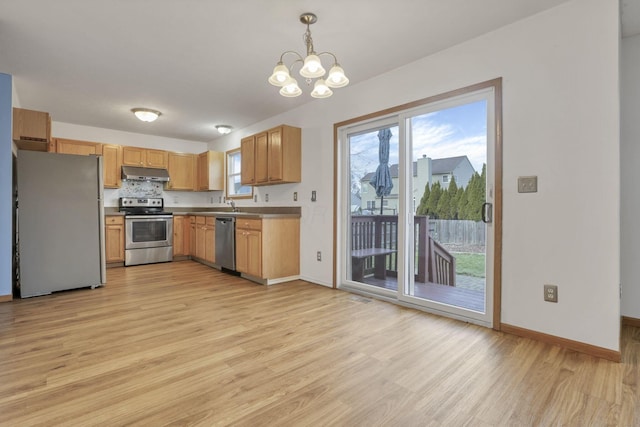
x=311 y=69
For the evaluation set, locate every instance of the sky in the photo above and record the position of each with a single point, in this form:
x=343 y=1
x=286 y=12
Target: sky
x=451 y=132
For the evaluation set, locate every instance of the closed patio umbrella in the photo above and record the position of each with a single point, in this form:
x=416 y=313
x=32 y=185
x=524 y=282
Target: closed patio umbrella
x=381 y=180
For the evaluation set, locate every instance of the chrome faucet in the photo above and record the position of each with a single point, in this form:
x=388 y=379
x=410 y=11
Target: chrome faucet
x=233 y=205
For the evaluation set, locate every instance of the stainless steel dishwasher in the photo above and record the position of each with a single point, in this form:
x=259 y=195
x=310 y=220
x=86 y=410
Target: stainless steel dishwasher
x=226 y=242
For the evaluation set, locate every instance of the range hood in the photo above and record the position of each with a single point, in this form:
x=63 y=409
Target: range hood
x=135 y=173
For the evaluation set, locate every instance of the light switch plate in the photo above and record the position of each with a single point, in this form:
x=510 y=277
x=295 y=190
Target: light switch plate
x=527 y=184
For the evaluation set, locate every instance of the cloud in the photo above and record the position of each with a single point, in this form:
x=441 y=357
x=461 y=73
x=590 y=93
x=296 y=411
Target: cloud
x=430 y=137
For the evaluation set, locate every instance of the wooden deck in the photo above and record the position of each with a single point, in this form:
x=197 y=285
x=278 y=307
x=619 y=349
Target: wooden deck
x=459 y=297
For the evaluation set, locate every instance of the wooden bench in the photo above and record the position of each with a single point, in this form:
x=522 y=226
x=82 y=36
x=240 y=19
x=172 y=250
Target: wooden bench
x=357 y=262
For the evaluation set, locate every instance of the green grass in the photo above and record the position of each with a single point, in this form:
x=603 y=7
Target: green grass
x=470 y=264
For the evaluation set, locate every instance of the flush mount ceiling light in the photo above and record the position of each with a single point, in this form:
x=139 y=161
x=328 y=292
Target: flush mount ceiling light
x=223 y=129
x=145 y=114
x=311 y=69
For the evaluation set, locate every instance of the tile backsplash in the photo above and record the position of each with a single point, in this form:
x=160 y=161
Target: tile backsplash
x=140 y=189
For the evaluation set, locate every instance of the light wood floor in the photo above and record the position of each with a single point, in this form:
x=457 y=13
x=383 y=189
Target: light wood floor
x=183 y=344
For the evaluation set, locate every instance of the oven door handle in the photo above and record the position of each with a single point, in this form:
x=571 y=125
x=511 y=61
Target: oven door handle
x=148 y=217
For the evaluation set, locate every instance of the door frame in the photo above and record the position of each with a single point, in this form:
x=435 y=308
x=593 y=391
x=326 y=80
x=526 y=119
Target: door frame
x=496 y=85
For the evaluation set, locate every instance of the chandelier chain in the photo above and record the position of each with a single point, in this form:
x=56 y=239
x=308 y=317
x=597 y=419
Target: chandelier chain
x=308 y=41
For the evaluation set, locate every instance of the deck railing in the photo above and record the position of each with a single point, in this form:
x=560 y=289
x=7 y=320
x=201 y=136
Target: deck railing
x=432 y=263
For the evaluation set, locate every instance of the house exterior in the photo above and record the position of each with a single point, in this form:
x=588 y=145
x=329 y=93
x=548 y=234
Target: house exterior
x=426 y=171
x=459 y=167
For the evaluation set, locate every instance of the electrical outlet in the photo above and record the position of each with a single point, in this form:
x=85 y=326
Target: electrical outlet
x=266 y=197
x=255 y=198
x=551 y=293
x=319 y=256
x=219 y=199
x=527 y=184
x=313 y=196
x=295 y=196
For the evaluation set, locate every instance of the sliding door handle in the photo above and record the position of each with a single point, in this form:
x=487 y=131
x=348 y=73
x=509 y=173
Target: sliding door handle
x=487 y=213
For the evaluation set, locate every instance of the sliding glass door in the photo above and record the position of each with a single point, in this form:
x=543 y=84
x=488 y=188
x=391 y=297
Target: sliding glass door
x=447 y=144
x=372 y=224
x=417 y=198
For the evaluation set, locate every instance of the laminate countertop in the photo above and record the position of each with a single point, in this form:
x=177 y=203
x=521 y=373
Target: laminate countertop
x=240 y=214
x=267 y=213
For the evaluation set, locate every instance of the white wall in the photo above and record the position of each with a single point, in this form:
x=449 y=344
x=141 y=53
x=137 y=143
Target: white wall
x=6 y=186
x=561 y=109
x=110 y=136
x=630 y=177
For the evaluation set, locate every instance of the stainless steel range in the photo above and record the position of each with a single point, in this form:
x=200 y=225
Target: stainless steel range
x=148 y=231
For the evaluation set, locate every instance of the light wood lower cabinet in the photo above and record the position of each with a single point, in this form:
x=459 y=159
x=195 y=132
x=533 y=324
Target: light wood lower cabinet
x=249 y=247
x=114 y=238
x=268 y=248
x=205 y=238
x=192 y=236
x=181 y=235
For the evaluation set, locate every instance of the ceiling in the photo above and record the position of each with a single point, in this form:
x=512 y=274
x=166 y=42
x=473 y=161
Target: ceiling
x=203 y=63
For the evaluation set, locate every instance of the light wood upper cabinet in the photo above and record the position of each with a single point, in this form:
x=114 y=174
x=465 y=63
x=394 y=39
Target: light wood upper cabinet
x=262 y=158
x=157 y=158
x=32 y=129
x=247 y=159
x=210 y=171
x=114 y=238
x=73 y=146
x=268 y=248
x=111 y=157
x=145 y=157
x=182 y=171
x=272 y=157
x=285 y=154
x=112 y=165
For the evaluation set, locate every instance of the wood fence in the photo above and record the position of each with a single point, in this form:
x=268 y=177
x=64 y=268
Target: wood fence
x=458 y=232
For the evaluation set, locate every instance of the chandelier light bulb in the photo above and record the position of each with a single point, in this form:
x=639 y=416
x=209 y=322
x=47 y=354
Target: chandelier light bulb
x=321 y=90
x=290 y=88
x=336 y=77
x=312 y=67
x=279 y=75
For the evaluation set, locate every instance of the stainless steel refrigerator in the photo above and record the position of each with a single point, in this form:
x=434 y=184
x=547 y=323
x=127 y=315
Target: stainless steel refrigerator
x=60 y=221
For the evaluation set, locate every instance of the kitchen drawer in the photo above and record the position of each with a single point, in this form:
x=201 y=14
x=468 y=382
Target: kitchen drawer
x=114 y=219
x=249 y=224
x=192 y=220
x=211 y=221
x=200 y=220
